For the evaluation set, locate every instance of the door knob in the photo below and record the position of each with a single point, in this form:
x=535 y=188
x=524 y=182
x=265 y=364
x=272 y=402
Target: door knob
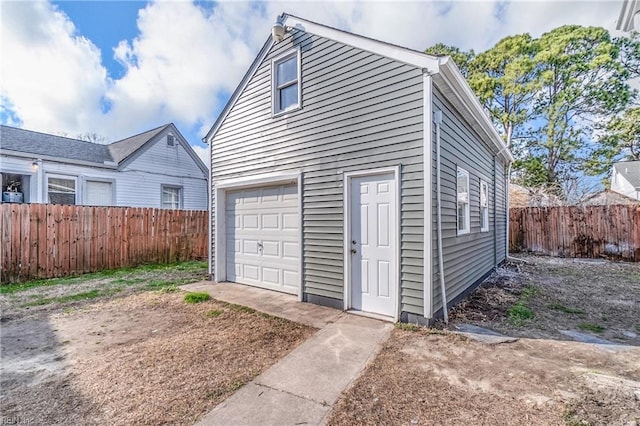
x=353 y=251
x=354 y=242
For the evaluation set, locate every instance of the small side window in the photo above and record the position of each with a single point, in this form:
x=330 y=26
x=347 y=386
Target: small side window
x=171 y=140
x=484 y=206
x=286 y=82
x=463 y=201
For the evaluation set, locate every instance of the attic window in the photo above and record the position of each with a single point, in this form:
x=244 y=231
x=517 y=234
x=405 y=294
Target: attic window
x=285 y=78
x=171 y=140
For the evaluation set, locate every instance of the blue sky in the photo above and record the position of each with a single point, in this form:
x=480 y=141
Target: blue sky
x=117 y=68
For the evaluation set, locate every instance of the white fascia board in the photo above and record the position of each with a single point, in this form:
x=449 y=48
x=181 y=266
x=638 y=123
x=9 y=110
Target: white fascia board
x=456 y=81
x=391 y=51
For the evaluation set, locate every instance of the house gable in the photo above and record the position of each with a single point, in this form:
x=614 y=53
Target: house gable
x=447 y=75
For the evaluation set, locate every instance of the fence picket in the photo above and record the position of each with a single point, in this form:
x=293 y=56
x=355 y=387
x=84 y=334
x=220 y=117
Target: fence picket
x=575 y=231
x=45 y=240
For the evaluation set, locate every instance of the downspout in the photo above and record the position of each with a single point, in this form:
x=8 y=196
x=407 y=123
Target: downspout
x=507 y=196
x=211 y=198
x=437 y=118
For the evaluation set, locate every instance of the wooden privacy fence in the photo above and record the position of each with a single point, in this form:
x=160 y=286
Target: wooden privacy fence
x=45 y=240
x=572 y=231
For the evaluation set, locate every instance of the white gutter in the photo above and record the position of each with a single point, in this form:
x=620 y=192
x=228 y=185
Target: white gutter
x=437 y=117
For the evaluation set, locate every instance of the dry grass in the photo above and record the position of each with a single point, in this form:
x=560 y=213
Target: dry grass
x=149 y=358
x=423 y=378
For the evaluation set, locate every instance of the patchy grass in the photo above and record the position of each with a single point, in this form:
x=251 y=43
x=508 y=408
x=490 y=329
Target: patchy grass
x=214 y=313
x=567 y=310
x=122 y=276
x=87 y=295
x=520 y=312
x=407 y=327
x=196 y=297
x=588 y=326
x=241 y=308
x=172 y=288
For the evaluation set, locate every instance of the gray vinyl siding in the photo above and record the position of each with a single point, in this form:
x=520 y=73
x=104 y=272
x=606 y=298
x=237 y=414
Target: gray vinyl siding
x=359 y=111
x=468 y=257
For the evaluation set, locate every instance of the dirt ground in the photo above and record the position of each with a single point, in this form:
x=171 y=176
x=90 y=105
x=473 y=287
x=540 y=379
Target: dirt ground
x=446 y=379
x=598 y=298
x=434 y=376
x=145 y=358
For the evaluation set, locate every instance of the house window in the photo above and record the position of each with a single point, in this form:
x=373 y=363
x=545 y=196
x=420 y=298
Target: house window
x=171 y=197
x=285 y=73
x=463 y=201
x=170 y=140
x=99 y=193
x=484 y=206
x=61 y=190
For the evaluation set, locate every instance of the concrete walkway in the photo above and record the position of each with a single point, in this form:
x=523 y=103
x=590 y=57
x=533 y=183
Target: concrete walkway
x=303 y=386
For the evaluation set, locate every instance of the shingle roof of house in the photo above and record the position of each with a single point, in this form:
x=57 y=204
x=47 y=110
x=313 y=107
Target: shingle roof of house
x=122 y=149
x=630 y=170
x=37 y=143
x=42 y=144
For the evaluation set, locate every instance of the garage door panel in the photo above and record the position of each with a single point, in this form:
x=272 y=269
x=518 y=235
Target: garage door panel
x=263 y=230
x=270 y=221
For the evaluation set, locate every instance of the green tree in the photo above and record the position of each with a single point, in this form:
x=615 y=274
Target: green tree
x=504 y=79
x=461 y=58
x=620 y=141
x=582 y=81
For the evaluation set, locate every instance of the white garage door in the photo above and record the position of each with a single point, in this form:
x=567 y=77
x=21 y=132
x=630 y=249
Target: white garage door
x=262 y=237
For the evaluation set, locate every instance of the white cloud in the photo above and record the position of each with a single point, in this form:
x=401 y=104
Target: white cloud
x=51 y=79
x=187 y=58
x=203 y=153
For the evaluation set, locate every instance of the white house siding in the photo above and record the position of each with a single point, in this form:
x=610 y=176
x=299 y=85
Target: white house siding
x=159 y=164
x=360 y=111
x=134 y=186
x=468 y=257
x=622 y=186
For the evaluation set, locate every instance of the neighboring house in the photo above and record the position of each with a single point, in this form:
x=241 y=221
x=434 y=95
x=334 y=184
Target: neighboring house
x=520 y=196
x=607 y=197
x=625 y=178
x=319 y=183
x=629 y=19
x=157 y=168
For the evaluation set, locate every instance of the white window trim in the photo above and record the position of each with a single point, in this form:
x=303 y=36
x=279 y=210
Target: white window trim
x=66 y=177
x=274 y=90
x=467 y=224
x=484 y=215
x=181 y=196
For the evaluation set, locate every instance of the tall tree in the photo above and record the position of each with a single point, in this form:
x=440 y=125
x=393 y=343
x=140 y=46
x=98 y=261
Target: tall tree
x=504 y=79
x=620 y=141
x=582 y=81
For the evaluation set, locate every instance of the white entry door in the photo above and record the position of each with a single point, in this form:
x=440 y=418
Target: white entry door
x=373 y=227
x=262 y=237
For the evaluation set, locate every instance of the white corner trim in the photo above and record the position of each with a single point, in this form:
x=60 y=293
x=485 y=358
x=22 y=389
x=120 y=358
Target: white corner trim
x=398 y=53
x=346 y=179
x=427 y=105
